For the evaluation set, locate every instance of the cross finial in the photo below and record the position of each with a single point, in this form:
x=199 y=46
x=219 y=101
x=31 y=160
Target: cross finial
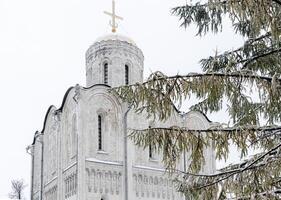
x=113 y=23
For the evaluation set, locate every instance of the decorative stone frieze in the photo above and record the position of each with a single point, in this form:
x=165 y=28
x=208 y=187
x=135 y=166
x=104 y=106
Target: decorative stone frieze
x=104 y=181
x=51 y=194
x=106 y=48
x=153 y=187
x=70 y=185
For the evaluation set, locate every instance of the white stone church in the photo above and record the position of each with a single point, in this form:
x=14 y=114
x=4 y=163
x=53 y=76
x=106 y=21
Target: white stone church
x=83 y=152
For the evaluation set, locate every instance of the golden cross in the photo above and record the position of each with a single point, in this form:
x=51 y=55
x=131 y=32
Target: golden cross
x=113 y=23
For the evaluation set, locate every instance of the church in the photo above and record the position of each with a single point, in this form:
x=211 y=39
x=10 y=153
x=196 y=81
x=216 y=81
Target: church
x=83 y=152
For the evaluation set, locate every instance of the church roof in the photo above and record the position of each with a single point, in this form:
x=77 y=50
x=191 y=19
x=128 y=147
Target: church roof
x=52 y=107
x=116 y=37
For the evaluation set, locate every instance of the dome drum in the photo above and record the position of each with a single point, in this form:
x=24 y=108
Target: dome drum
x=115 y=61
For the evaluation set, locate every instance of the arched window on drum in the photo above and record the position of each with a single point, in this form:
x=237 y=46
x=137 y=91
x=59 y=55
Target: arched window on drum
x=127 y=74
x=105 y=73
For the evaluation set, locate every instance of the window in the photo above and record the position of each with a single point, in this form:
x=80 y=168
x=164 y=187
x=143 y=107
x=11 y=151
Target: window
x=105 y=73
x=99 y=132
x=152 y=148
x=126 y=74
x=150 y=152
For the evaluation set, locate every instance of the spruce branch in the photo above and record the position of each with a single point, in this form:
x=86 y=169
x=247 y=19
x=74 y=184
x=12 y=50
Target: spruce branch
x=184 y=139
x=231 y=176
x=159 y=93
x=252 y=16
x=229 y=78
x=277 y=1
x=245 y=75
x=256 y=57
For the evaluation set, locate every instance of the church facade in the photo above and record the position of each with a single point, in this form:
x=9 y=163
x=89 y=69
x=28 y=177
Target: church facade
x=83 y=152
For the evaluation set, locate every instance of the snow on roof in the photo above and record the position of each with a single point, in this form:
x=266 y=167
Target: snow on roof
x=116 y=37
x=103 y=162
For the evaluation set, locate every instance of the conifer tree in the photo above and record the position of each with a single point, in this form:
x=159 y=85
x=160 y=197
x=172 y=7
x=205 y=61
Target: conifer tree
x=231 y=78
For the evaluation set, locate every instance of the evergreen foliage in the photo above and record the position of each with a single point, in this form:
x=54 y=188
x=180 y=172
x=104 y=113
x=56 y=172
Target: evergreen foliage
x=232 y=78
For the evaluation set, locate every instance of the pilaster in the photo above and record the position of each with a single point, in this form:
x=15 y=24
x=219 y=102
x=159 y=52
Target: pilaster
x=59 y=157
x=81 y=172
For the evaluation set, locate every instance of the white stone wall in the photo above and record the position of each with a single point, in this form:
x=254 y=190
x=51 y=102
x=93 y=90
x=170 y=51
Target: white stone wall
x=141 y=156
x=50 y=155
x=69 y=132
x=117 y=54
x=74 y=168
x=103 y=170
x=196 y=120
x=104 y=179
x=37 y=168
x=152 y=183
x=70 y=183
x=99 y=102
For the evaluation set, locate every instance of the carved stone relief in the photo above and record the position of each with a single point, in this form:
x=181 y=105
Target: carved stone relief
x=104 y=182
x=153 y=187
x=51 y=194
x=70 y=185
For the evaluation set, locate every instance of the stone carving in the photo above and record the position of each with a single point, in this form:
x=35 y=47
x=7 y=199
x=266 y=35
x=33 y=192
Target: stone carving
x=153 y=187
x=57 y=116
x=70 y=185
x=107 y=47
x=51 y=194
x=102 y=181
x=77 y=94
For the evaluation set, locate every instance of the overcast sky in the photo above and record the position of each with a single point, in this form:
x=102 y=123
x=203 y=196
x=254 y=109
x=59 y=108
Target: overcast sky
x=42 y=47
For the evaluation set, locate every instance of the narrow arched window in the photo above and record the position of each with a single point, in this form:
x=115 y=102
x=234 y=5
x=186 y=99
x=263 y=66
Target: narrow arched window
x=150 y=152
x=105 y=73
x=151 y=148
x=99 y=132
x=126 y=74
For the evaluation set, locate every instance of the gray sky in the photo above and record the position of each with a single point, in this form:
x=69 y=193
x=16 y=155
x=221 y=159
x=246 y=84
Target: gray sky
x=42 y=47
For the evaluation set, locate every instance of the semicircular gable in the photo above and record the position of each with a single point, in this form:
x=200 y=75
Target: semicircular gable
x=67 y=98
x=196 y=119
x=115 y=101
x=36 y=134
x=109 y=103
x=96 y=85
x=49 y=112
x=52 y=108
